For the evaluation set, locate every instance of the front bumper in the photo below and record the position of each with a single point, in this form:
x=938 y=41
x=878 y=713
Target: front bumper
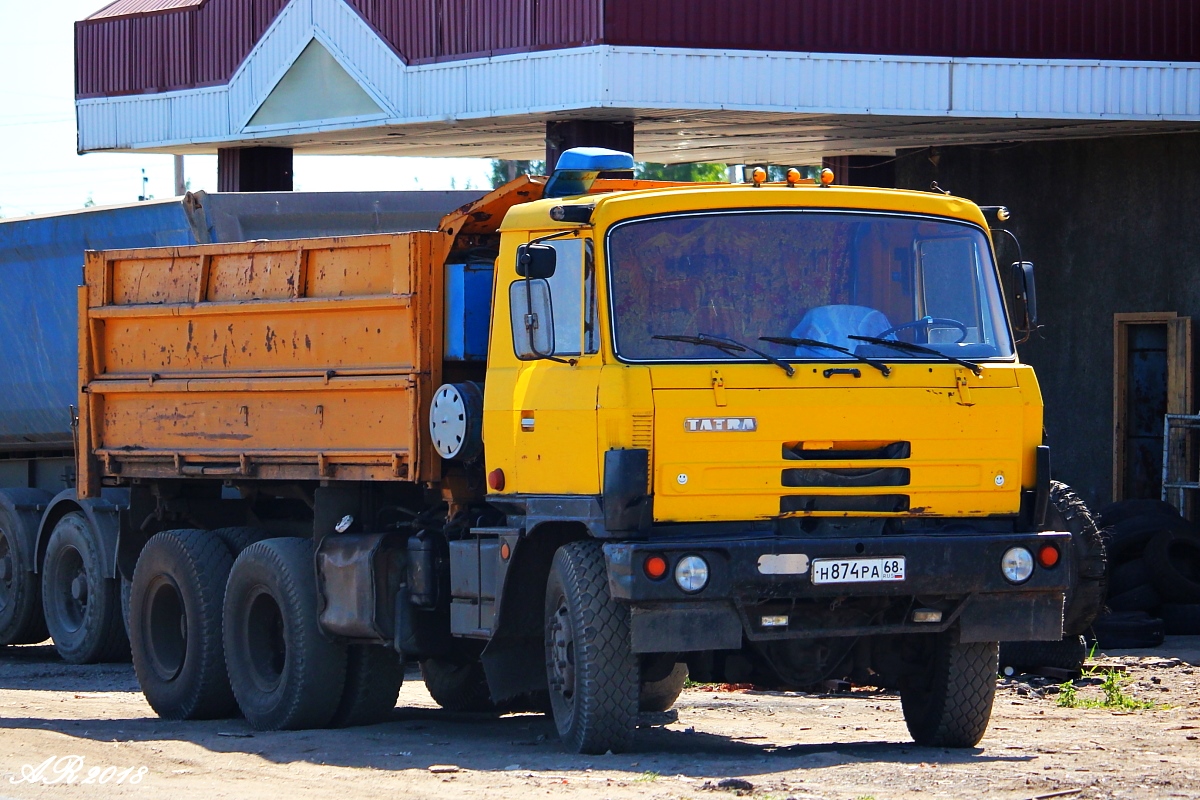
x=957 y=574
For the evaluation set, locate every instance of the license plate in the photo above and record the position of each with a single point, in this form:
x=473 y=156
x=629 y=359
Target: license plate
x=858 y=570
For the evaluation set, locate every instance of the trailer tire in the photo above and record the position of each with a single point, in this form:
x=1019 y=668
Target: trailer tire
x=591 y=668
x=457 y=686
x=1128 y=630
x=1088 y=581
x=374 y=674
x=660 y=695
x=1129 y=575
x=82 y=606
x=1122 y=510
x=1141 y=598
x=1173 y=559
x=286 y=675
x=1068 y=654
x=1181 y=619
x=950 y=704
x=176 y=600
x=21 y=617
x=1128 y=539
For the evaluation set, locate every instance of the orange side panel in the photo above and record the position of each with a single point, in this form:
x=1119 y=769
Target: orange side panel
x=303 y=359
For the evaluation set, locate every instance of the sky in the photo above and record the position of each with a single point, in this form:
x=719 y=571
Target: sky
x=40 y=172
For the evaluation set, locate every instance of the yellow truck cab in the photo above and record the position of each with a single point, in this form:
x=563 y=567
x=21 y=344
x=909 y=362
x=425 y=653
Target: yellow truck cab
x=768 y=433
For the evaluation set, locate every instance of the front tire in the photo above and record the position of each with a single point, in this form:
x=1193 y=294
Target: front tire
x=950 y=703
x=1089 y=581
x=82 y=606
x=590 y=665
x=175 y=607
x=285 y=674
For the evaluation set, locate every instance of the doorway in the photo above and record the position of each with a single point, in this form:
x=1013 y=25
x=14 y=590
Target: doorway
x=1152 y=372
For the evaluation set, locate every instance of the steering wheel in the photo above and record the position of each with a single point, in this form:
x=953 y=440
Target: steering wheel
x=927 y=323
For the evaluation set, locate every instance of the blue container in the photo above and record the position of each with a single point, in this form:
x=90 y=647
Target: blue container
x=41 y=264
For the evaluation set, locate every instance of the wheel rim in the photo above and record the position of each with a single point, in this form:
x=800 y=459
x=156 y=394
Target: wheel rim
x=8 y=571
x=560 y=659
x=166 y=628
x=265 y=643
x=71 y=589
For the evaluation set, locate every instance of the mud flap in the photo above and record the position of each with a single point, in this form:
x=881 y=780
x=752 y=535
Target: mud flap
x=1012 y=617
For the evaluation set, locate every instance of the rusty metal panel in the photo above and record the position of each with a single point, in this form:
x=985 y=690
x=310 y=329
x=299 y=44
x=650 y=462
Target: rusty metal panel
x=301 y=359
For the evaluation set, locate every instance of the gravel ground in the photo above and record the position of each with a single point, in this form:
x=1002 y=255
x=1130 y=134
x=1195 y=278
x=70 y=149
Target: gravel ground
x=718 y=742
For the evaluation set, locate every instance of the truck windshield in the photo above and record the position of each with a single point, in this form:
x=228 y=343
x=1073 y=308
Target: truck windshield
x=817 y=275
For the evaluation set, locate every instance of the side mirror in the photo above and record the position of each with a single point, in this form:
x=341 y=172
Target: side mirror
x=536 y=261
x=532 y=318
x=1026 y=292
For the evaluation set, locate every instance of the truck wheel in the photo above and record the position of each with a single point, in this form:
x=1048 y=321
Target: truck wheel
x=456 y=686
x=1088 y=583
x=175 y=621
x=591 y=669
x=239 y=538
x=126 y=591
x=661 y=695
x=21 y=618
x=285 y=674
x=374 y=675
x=83 y=608
x=951 y=702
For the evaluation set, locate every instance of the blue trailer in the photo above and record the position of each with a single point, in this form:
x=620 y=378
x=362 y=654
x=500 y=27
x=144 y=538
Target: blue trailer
x=78 y=601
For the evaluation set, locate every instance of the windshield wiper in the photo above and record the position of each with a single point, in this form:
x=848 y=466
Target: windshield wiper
x=794 y=342
x=916 y=348
x=726 y=346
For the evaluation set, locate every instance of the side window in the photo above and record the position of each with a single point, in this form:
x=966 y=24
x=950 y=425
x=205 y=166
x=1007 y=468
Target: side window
x=566 y=293
x=949 y=270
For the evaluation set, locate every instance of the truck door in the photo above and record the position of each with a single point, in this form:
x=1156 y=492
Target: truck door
x=540 y=413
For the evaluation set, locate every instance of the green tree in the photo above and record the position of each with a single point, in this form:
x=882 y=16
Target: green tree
x=505 y=171
x=649 y=171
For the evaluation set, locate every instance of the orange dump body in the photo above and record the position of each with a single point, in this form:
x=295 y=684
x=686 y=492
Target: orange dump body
x=294 y=360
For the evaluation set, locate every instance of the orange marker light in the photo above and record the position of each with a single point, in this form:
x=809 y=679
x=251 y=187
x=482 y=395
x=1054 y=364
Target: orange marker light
x=496 y=480
x=505 y=551
x=759 y=175
x=1048 y=556
x=655 y=567
x=793 y=176
x=826 y=176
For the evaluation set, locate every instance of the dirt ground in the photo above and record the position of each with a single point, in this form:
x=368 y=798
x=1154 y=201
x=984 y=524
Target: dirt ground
x=773 y=745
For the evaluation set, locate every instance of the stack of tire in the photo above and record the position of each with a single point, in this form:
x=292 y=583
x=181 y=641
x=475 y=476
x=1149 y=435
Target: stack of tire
x=1153 y=575
x=1084 y=599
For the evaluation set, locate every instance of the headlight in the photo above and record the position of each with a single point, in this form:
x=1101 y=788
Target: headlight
x=691 y=574
x=1017 y=564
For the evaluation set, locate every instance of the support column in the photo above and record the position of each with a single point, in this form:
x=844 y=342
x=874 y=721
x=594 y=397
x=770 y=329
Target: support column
x=566 y=134
x=254 y=169
x=877 y=171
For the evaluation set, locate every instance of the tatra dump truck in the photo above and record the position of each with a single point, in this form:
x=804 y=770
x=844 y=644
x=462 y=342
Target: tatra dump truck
x=590 y=433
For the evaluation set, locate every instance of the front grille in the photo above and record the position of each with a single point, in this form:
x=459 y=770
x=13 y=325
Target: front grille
x=848 y=451
x=837 y=478
x=868 y=503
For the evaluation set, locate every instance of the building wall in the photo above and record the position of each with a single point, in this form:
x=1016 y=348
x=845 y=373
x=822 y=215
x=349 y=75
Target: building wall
x=158 y=46
x=1113 y=226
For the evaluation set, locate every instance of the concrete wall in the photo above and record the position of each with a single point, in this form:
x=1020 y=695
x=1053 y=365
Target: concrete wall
x=1113 y=226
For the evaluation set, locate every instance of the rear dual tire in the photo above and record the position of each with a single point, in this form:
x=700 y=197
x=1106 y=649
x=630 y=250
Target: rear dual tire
x=175 y=604
x=21 y=617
